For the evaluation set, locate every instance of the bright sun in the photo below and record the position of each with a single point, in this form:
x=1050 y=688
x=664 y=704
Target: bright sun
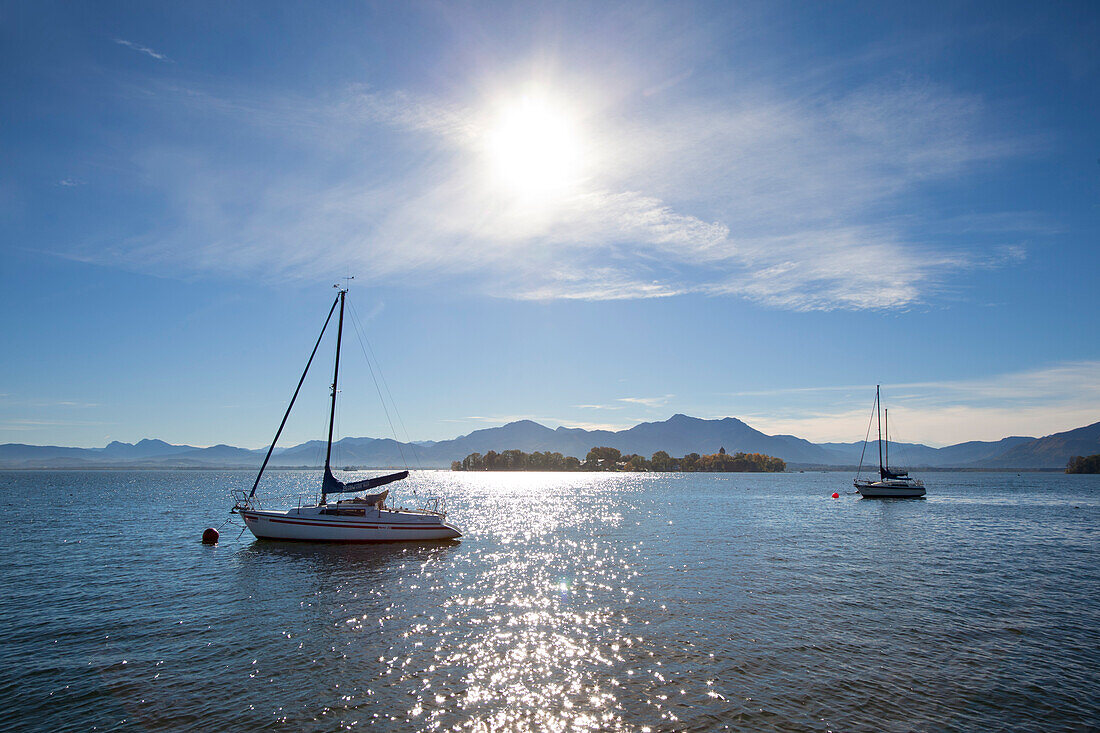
x=535 y=147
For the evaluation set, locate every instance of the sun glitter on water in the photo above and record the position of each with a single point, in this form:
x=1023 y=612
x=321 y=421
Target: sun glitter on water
x=535 y=147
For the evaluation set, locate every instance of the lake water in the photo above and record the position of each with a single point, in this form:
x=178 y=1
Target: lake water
x=573 y=602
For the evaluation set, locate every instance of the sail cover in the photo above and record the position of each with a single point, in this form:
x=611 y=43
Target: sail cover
x=367 y=499
x=332 y=485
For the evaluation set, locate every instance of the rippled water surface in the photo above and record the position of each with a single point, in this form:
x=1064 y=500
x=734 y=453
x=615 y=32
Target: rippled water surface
x=573 y=602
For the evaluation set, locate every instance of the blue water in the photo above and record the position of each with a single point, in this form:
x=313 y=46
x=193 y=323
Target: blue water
x=573 y=602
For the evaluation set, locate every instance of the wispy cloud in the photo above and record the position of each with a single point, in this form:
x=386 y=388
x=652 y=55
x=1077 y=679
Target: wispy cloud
x=70 y=182
x=494 y=419
x=790 y=200
x=623 y=403
x=142 y=49
x=33 y=403
x=21 y=424
x=648 y=401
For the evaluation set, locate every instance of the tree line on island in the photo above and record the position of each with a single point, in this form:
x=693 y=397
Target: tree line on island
x=611 y=459
x=1084 y=464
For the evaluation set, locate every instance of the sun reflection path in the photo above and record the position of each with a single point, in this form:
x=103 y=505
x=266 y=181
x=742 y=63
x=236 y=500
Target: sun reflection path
x=538 y=635
x=515 y=651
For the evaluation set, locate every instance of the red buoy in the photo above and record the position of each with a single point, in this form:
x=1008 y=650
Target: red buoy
x=836 y=495
x=210 y=536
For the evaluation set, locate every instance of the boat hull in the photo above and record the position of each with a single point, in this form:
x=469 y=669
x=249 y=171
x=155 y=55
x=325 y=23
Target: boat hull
x=386 y=526
x=881 y=490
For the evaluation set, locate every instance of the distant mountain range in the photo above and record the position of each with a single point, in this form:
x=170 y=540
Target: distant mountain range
x=678 y=436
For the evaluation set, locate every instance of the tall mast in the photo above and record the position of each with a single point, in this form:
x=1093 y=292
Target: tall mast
x=335 y=376
x=878 y=411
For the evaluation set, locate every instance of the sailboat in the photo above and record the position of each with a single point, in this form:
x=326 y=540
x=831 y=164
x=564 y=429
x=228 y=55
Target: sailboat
x=364 y=518
x=891 y=484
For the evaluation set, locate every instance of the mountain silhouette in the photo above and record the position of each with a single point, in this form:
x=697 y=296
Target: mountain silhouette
x=678 y=435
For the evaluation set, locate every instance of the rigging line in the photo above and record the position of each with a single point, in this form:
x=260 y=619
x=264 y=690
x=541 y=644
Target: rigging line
x=318 y=445
x=866 y=435
x=386 y=386
x=385 y=409
x=339 y=434
x=292 y=399
x=901 y=450
x=319 y=448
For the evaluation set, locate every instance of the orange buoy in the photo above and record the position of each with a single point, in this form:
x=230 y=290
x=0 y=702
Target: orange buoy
x=835 y=496
x=210 y=536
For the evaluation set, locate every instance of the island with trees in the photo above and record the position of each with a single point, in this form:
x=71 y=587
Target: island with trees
x=611 y=459
x=1084 y=464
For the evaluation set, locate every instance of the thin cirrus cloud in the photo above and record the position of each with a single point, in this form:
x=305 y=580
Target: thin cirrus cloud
x=142 y=49
x=648 y=401
x=623 y=403
x=792 y=201
x=30 y=424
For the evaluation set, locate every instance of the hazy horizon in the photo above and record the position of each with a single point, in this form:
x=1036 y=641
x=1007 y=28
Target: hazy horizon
x=284 y=444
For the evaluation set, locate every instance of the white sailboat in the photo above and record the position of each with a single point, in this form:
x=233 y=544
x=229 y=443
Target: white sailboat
x=891 y=484
x=364 y=518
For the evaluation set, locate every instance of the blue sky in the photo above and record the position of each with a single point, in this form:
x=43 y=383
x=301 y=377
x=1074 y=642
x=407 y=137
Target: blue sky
x=583 y=214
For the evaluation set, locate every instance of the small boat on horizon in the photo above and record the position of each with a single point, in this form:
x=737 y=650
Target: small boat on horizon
x=363 y=518
x=891 y=484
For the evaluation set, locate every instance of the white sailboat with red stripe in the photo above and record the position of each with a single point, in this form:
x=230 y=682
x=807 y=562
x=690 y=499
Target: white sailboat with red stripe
x=892 y=484
x=353 y=520
x=364 y=518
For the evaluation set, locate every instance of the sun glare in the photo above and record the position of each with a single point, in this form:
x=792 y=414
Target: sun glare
x=535 y=147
